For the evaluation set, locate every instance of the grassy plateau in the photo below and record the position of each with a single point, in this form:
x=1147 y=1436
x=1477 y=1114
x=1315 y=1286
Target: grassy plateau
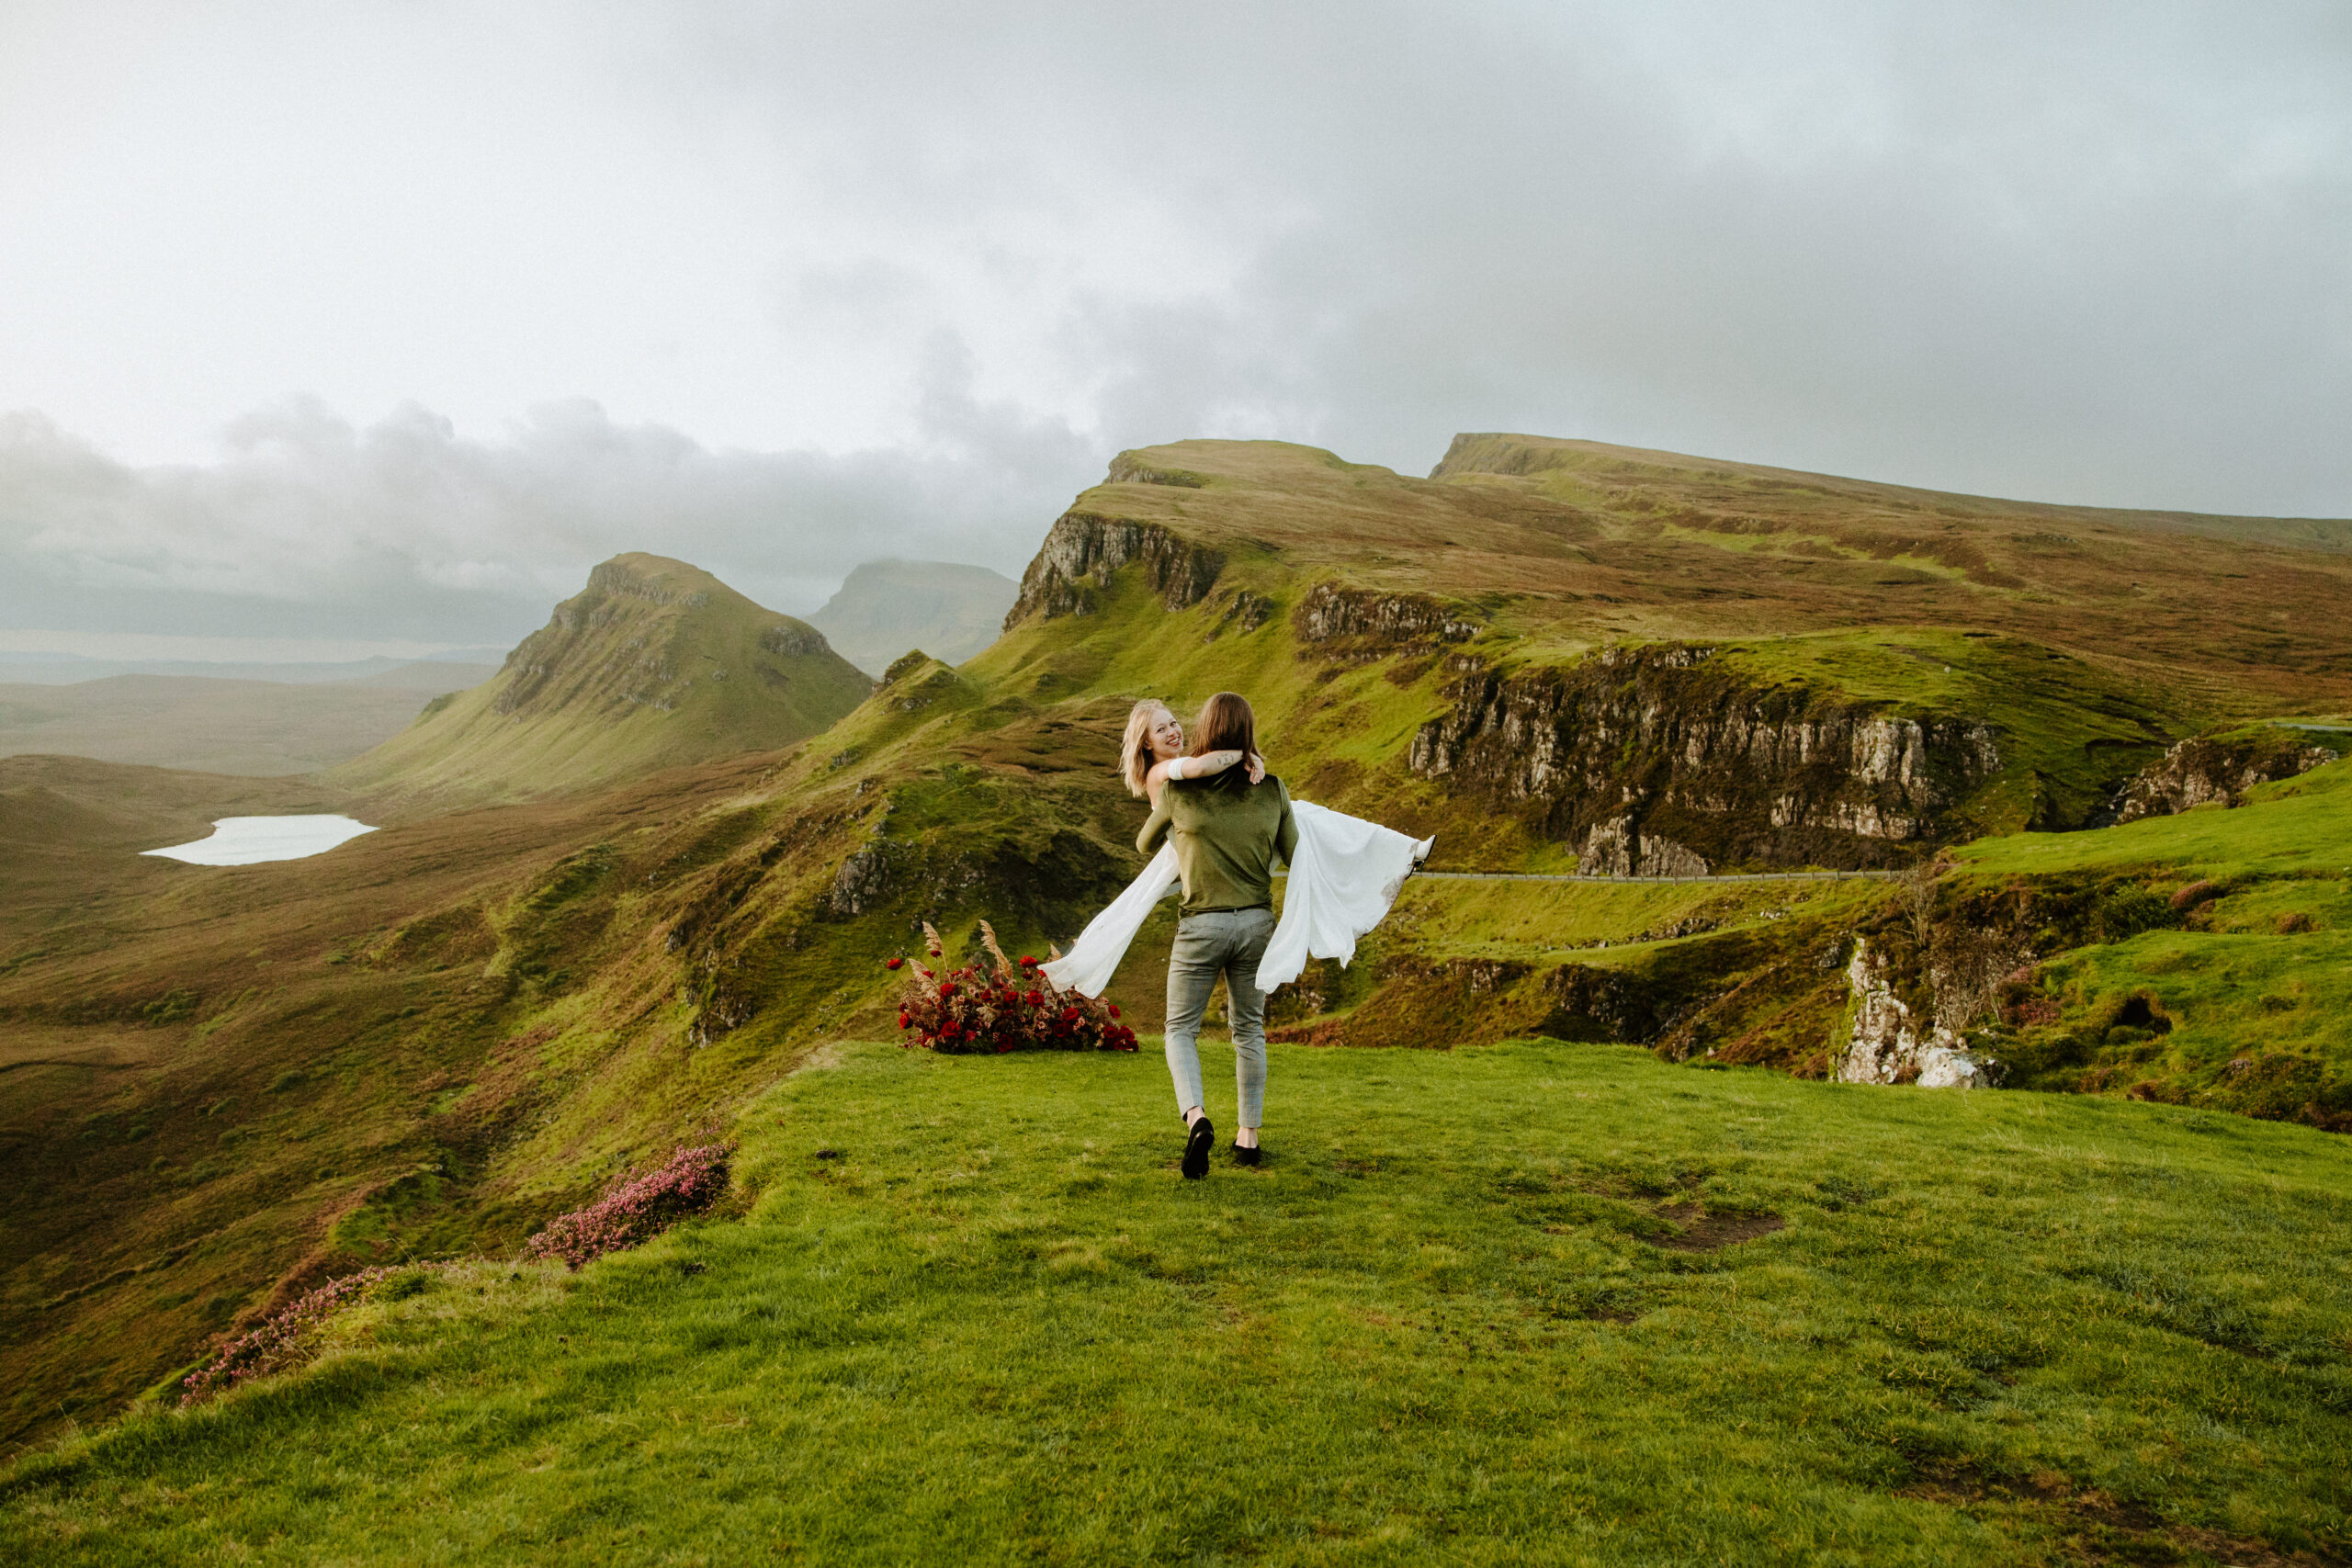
x=973 y=1315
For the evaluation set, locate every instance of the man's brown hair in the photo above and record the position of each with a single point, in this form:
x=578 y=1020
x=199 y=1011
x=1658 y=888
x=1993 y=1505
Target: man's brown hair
x=1227 y=724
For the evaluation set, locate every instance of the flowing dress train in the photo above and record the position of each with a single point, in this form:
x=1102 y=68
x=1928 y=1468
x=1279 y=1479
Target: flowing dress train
x=1346 y=875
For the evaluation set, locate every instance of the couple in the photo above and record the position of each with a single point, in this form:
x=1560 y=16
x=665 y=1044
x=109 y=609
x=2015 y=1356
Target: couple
x=1219 y=823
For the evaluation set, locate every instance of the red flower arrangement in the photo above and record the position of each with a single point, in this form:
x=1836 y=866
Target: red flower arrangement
x=1003 y=1007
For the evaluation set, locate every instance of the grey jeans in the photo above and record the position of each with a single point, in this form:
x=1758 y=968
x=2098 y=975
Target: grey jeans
x=1228 y=943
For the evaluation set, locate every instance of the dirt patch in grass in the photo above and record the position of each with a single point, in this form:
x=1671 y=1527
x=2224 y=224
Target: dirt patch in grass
x=2098 y=1527
x=1697 y=1230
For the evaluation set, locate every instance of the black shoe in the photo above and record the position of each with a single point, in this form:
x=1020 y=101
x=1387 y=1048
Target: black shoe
x=1197 y=1144
x=1246 y=1157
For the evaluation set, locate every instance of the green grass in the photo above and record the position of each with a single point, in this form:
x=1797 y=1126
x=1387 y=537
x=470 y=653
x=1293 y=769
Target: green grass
x=1439 y=1324
x=2230 y=1002
x=2251 y=989
x=1539 y=920
x=2296 y=827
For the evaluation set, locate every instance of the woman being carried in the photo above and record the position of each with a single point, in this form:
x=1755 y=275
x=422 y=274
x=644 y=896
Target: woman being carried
x=1224 y=832
x=1152 y=752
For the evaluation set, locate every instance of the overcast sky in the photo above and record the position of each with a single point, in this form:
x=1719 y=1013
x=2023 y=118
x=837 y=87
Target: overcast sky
x=384 y=321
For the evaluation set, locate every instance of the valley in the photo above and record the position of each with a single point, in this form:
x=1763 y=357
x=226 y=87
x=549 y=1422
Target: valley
x=619 y=901
x=207 y=725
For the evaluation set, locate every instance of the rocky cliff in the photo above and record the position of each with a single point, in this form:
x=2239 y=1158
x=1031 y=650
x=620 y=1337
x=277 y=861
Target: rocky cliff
x=1665 y=761
x=2207 y=768
x=1082 y=549
x=1889 y=1045
x=1354 y=622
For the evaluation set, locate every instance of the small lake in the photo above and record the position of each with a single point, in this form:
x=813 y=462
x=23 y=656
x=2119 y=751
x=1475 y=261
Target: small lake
x=247 y=840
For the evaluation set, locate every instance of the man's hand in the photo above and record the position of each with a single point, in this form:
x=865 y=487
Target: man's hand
x=1256 y=768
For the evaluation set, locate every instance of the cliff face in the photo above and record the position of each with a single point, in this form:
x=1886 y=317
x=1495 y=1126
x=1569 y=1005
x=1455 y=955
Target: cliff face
x=1355 y=623
x=2216 y=768
x=1661 y=761
x=1082 y=549
x=1889 y=1045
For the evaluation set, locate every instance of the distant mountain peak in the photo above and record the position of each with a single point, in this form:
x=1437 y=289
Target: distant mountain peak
x=886 y=607
x=655 y=663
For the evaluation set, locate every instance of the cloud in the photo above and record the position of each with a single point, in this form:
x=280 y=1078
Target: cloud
x=308 y=523
x=899 y=278
x=2043 y=251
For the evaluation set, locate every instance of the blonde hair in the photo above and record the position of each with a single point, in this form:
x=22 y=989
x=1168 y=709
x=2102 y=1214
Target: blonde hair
x=1135 y=755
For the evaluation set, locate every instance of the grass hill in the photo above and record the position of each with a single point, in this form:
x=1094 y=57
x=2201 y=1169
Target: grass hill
x=656 y=664
x=475 y=1018
x=972 y=1315
x=259 y=727
x=221 y=1078
x=887 y=608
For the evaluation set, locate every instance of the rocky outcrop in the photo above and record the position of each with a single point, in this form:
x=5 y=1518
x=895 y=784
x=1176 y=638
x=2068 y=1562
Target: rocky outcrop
x=1888 y=1045
x=617 y=578
x=794 y=640
x=1618 y=848
x=1081 y=552
x=917 y=682
x=1243 y=612
x=2207 y=768
x=864 y=880
x=1664 y=760
x=1362 y=623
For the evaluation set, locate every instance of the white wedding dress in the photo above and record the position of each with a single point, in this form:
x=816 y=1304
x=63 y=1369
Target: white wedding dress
x=1345 y=876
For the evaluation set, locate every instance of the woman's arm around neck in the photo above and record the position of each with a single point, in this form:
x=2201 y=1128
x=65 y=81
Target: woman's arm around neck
x=1207 y=765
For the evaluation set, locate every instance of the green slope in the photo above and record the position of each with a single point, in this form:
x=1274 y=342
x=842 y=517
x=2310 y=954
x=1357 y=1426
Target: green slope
x=657 y=664
x=1579 y=543
x=1484 y=1306
x=2220 y=968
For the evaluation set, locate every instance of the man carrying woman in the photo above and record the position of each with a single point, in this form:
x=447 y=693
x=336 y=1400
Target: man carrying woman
x=1219 y=824
x=1228 y=832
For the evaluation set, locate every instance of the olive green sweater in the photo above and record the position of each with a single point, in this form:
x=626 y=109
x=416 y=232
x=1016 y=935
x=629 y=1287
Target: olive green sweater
x=1227 y=839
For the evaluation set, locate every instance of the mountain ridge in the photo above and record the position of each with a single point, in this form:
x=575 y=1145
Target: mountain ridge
x=1513 y=456
x=654 y=664
x=1597 y=543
